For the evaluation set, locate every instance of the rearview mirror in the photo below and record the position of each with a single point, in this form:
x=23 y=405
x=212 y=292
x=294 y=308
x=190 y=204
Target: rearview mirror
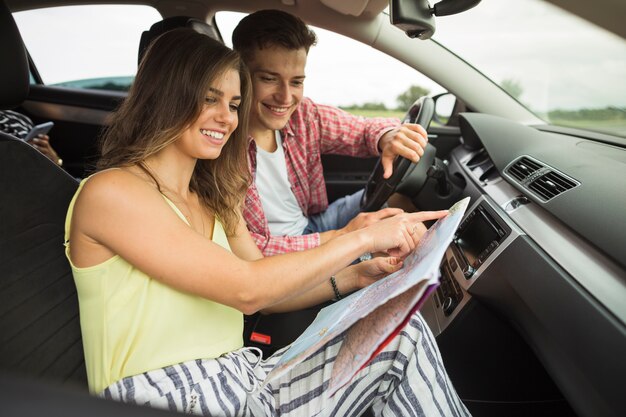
x=416 y=17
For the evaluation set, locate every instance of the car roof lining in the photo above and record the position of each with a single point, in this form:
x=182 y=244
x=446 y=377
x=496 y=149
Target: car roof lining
x=604 y=13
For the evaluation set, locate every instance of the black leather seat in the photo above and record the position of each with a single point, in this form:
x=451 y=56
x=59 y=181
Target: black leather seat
x=39 y=328
x=39 y=324
x=174 y=22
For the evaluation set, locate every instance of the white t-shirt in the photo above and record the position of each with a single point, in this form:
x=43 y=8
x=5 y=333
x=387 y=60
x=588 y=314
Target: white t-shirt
x=281 y=208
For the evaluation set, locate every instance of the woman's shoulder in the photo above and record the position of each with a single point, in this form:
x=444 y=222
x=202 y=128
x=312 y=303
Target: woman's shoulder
x=113 y=185
x=113 y=178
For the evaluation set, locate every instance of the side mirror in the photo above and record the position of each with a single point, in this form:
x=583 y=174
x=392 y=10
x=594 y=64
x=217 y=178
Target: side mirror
x=447 y=109
x=416 y=17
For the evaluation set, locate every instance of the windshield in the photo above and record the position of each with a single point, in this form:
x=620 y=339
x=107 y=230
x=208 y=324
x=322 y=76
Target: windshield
x=564 y=69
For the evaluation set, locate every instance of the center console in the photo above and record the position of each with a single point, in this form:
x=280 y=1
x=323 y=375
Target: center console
x=482 y=235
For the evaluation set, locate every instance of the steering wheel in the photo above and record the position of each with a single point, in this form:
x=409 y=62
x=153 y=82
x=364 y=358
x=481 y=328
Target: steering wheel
x=378 y=189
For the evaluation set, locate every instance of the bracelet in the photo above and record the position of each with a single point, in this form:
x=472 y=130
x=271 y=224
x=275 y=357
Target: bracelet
x=335 y=289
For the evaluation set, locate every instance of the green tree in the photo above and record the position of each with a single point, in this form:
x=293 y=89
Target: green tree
x=406 y=99
x=513 y=87
x=377 y=105
x=373 y=106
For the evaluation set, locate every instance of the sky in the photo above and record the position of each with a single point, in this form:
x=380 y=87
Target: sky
x=559 y=62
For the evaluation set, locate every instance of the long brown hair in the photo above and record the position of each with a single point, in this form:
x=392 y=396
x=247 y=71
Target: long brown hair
x=166 y=97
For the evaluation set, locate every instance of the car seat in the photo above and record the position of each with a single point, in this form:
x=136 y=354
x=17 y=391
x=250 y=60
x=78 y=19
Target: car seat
x=39 y=327
x=174 y=22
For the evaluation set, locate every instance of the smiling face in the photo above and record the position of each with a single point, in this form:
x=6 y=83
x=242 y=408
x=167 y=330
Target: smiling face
x=205 y=138
x=278 y=87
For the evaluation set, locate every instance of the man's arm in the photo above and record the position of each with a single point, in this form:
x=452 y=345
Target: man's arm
x=345 y=134
x=275 y=245
x=342 y=133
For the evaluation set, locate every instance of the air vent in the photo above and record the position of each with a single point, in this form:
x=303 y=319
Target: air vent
x=523 y=168
x=542 y=180
x=550 y=185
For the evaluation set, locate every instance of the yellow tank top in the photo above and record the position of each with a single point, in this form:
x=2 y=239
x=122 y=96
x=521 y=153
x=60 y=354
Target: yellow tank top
x=132 y=323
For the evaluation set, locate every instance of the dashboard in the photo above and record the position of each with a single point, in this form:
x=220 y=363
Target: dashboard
x=539 y=261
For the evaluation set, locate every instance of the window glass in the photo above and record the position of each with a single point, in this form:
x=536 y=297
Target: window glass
x=91 y=46
x=565 y=69
x=346 y=73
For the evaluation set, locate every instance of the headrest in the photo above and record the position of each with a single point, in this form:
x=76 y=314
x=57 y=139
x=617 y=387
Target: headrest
x=14 y=71
x=174 y=22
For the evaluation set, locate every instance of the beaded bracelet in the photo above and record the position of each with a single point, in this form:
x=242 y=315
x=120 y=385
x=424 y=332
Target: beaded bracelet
x=335 y=289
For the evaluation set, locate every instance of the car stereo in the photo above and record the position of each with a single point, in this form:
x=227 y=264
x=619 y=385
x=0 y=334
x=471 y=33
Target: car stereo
x=477 y=237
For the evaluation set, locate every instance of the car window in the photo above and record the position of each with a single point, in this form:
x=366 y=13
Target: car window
x=356 y=77
x=89 y=47
x=566 y=70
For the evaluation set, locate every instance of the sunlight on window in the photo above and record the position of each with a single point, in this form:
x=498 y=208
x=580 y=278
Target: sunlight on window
x=344 y=72
x=86 y=42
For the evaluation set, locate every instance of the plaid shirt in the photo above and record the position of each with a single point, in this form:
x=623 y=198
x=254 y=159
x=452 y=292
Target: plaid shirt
x=312 y=130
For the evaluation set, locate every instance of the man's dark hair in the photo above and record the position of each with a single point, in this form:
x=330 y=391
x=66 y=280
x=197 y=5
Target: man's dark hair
x=267 y=28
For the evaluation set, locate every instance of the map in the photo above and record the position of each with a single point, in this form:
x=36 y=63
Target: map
x=372 y=315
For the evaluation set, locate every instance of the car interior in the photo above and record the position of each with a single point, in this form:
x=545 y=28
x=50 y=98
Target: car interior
x=530 y=313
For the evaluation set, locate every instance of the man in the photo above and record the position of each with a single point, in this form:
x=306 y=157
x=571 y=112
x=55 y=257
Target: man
x=286 y=208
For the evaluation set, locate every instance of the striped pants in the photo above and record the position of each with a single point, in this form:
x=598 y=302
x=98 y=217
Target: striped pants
x=406 y=379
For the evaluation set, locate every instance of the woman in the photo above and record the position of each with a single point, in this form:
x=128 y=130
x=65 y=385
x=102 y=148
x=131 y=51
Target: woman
x=165 y=267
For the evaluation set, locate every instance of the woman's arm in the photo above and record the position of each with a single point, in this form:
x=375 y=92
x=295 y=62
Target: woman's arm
x=118 y=212
x=242 y=244
x=349 y=279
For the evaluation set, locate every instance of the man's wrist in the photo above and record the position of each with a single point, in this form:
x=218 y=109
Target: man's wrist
x=365 y=241
x=330 y=235
x=380 y=142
